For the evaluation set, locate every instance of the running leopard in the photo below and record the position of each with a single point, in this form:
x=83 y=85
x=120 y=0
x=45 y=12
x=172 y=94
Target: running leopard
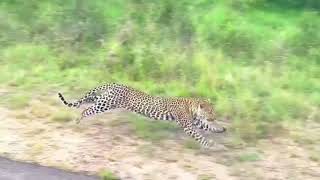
x=189 y=113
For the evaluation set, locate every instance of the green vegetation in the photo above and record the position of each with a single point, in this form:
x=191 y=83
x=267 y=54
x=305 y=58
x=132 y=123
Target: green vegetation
x=107 y=175
x=191 y=144
x=63 y=116
x=248 y=157
x=258 y=60
x=206 y=177
x=16 y=101
x=152 y=130
x=315 y=157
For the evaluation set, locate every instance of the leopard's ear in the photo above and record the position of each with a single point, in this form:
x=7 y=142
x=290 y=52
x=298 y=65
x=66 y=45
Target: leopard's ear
x=201 y=105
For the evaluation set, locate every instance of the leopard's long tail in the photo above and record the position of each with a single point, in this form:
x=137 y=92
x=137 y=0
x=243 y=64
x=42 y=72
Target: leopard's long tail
x=75 y=104
x=89 y=97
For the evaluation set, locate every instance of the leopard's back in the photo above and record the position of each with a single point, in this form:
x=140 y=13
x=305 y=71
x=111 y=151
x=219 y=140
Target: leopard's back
x=140 y=102
x=126 y=97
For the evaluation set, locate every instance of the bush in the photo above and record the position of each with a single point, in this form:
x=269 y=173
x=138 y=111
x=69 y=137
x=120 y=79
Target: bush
x=307 y=40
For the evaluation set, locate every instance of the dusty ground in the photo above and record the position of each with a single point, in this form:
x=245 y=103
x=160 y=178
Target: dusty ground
x=94 y=145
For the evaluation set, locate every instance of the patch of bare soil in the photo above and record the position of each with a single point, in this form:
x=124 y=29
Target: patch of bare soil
x=93 y=145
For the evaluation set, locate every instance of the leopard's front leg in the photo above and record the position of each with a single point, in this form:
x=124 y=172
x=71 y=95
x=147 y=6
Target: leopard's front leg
x=213 y=126
x=191 y=131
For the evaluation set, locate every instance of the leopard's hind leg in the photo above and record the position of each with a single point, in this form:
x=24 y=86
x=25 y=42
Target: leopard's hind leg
x=100 y=106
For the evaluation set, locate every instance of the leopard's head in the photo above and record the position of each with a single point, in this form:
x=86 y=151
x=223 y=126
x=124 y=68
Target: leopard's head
x=205 y=110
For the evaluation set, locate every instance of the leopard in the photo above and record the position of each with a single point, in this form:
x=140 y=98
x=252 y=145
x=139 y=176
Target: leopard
x=189 y=113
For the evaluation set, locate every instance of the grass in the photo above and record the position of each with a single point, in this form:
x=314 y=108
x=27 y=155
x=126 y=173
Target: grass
x=107 y=175
x=16 y=101
x=191 y=144
x=63 y=116
x=258 y=61
x=206 y=177
x=21 y=115
x=152 y=130
x=314 y=157
x=249 y=157
x=36 y=150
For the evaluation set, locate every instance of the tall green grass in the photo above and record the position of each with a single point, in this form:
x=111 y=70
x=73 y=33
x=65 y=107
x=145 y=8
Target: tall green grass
x=258 y=61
